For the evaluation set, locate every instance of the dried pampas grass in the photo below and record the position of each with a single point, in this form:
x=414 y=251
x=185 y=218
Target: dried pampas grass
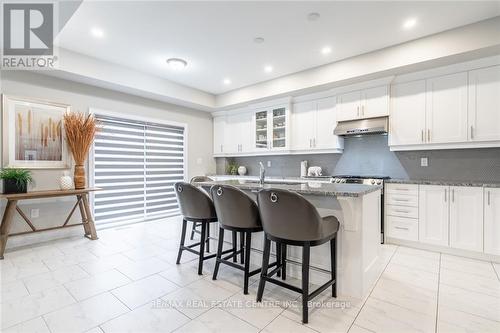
x=80 y=132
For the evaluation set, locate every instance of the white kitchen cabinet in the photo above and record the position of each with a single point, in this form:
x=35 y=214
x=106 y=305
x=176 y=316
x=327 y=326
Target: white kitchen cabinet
x=360 y=104
x=407 y=115
x=433 y=214
x=303 y=123
x=219 y=128
x=446 y=110
x=238 y=132
x=484 y=104
x=492 y=221
x=466 y=218
x=326 y=121
x=271 y=129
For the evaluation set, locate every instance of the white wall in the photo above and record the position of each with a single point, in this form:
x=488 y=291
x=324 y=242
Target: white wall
x=82 y=97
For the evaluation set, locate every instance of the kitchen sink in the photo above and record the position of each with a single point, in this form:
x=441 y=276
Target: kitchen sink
x=276 y=182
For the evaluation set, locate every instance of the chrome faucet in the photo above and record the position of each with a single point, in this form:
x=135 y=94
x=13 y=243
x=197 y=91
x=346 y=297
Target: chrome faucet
x=262 y=173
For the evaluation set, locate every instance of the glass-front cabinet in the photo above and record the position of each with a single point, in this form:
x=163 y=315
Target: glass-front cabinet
x=271 y=128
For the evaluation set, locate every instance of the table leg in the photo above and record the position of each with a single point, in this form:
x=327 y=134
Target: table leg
x=7 y=218
x=84 y=216
x=90 y=220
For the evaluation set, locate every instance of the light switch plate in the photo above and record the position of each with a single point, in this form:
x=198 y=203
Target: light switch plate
x=424 y=161
x=269 y=164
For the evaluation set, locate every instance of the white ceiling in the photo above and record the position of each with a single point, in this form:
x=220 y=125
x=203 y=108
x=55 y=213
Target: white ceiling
x=216 y=38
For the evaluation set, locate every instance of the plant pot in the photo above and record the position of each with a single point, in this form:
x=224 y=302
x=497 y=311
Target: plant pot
x=79 y=177
x=10 y=186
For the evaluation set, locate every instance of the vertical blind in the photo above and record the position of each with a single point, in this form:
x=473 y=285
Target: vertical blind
x=136 y=164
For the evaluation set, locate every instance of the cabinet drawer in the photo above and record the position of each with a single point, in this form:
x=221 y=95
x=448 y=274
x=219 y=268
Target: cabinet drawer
x=409 y=189
x=402 y=211
x=401 y=200
x=402 y=228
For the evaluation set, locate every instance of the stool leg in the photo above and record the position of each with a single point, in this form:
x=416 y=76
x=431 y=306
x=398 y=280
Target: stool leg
x=183 y=236
x=278 y=258
x=219 y=253
x=248 y=244
x=235 y=247
x=333 y=258
x=305 y=283
x=283 y=261
x=242 y=247
x=265 y=266
x=193 y=229
x=202 y=247
x=208 y=238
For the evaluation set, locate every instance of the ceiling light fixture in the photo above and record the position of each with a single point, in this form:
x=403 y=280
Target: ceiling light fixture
x=268 y=69
x=177 y=63
x=258 y=40
x=96 y=32
x=226 y=81
x=326 y=50
x=409 y=23
x=313 y=17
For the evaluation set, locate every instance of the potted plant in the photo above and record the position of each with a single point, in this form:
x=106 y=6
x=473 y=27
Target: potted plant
x=15 y=180
x=232 y=168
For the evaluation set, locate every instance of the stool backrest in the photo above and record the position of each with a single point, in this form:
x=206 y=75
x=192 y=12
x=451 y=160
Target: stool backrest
x=194 y=203
x=288 y=215
x=234 y=208
x=200 y=179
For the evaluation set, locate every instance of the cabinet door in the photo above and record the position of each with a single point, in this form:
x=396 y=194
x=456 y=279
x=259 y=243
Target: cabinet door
x=433 y=214
x=219 y=129
x=492 y=221
x=232 y=135
x=279 y=128
x=375 y=102
x=484 y=104
x=348 y=106
x=447 y=108
x=407 y=122
x=261 y=130
x=326 y=121
x=466 y=218
x=303 y=125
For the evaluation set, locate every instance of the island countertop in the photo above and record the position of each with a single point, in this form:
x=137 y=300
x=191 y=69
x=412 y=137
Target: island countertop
x=305 y=187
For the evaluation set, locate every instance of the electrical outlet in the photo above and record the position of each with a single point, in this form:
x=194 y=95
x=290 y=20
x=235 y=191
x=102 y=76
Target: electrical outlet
x=269 y=164
x=199 y=161
x=424 y=161
x=34 y=213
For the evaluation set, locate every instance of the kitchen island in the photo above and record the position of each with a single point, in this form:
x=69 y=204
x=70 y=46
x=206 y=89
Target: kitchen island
x=357 y=207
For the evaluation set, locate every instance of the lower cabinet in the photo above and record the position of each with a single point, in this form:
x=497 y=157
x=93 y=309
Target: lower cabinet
x=466 y=218
x=434 y=214
x=492 y=221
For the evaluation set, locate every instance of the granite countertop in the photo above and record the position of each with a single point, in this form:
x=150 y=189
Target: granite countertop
x=443 y=182
x=305 y=187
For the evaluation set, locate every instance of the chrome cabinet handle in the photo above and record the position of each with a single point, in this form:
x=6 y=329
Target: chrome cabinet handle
x=428 y=135
x=314 y=142
x=471 y=132
x=445 y=195
x=357 y=108
x=401 y=228
x=422 y=135
x=362 y=110
x=221 y=149
x=453 y=195
x=489 y=198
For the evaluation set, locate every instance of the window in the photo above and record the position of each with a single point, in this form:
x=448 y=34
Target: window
x=136 y=164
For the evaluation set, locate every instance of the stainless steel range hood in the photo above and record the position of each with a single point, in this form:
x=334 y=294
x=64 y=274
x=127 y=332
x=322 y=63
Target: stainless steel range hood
x=362 y=127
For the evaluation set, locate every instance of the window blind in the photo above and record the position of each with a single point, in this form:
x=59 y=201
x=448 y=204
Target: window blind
x=136 y=164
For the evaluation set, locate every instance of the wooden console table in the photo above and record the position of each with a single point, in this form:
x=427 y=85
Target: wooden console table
x=82 y=202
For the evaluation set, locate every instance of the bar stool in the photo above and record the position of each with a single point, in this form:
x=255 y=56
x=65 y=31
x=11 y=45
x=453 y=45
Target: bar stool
x=289 y=219
x=197 y=207
x=236 y=212
x=196 y=225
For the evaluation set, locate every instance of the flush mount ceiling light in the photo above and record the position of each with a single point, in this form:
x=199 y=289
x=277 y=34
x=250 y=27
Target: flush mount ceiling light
x=177 y=63
x=409 y=23
x=313 y=17
x=326 y=50
x=226 y=81
x=97 y=32
x=258 y=40
x=268 y=69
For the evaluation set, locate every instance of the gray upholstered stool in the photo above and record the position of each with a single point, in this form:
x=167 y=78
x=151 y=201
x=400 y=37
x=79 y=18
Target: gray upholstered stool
x=289 y=219
x=196 y=226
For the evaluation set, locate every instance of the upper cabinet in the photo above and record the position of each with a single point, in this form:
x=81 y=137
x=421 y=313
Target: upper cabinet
x=238 y=133
x=367 y=103
x=219 y=128
x=271 y=129
x=484 y=104
x=312 y=125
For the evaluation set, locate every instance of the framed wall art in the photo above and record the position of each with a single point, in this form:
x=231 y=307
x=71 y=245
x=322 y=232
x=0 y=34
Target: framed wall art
x=33 y=134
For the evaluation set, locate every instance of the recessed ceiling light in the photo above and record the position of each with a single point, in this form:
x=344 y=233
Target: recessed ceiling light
x=226 y=81
x=268 y=69
x=176 y=63
x=258 y=40
x=313 y=16
x=96 y=32
x=409 y=23
x=326 y=50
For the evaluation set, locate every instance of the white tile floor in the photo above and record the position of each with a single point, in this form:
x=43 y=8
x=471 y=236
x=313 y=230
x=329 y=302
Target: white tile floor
x=127 y=281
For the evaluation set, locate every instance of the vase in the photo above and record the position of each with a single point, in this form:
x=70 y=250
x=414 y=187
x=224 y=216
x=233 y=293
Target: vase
x=242 y=170
x=79 y=177
x=65 y=182
x=10 y=186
